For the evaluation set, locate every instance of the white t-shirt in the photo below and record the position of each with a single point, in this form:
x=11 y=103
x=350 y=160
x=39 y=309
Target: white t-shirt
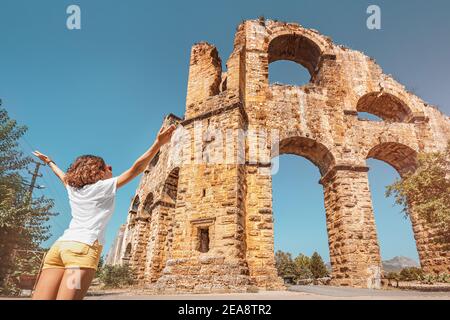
x=92 y=207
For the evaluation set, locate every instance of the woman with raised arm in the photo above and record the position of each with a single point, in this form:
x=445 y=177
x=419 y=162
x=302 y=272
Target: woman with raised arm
x=70 y=264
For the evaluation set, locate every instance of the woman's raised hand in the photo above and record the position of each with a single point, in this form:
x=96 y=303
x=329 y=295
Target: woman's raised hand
x=164 y=135
x=43 y=157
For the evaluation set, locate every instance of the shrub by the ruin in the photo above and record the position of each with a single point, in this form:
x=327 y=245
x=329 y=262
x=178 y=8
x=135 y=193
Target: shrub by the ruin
x=411 y=274
x=116 y=276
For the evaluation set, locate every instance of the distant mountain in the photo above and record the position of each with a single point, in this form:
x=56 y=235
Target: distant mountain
x=395 y=264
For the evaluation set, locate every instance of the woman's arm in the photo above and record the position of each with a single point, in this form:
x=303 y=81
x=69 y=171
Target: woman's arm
x=141 y=163
x=58 y=172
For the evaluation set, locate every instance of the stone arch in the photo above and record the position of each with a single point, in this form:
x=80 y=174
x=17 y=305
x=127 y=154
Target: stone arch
x=386 y=106
x=135 y=204
x=403 y=159
x=170 y=192
x=297 y=48
x=148 y=205
x=400 y=156
x=170 y=188
x=159 y=245
x=127 y=254
x=277 y=30
x=308 y=148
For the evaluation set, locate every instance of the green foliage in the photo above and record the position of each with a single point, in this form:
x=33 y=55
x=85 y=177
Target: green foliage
x=317 y=266
x=429 y=279
x=443 y=278
x=393 y=276
x=417 y=274
x=116 y=276
x=427 y=189
x=23 y=221
x=435 y=278
x=411 y=274
x=101 y=264
x=284 y=264
x=302 y=267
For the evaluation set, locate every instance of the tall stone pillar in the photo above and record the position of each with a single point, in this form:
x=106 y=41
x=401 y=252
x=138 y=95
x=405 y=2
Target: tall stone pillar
x=156 y=254
x=139 y=252
x=259 y=230
x=208 y=241
x=432 y=243
x=354 y=252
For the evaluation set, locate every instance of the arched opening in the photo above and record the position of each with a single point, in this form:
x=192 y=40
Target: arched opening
x=127 y=255
x=298 y=209
x=155 y=159
x=300 y=226
x=310 y=149
x=135 y=204
x=288 y=73
x=170 y=188
x=384 y=106
x=365 y=116
x=284 y=51
x=387 y=162
x=399 y=156
x=169 y=200
x=394 y=230
x=148 y=205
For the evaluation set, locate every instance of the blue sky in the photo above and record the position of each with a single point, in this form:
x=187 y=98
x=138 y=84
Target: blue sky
x=105 y=89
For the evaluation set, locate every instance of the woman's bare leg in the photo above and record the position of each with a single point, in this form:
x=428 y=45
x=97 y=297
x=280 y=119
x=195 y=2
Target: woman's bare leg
x=75 y=284
x=48 y=284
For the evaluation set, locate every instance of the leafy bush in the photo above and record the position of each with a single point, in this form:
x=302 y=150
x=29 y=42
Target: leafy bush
x=425 y=191
x=116 y=276
x=417 y=274
x=429 y=279
x=393 y=276
x=444 y=278
x=436 y=278
x=101 y=264
x=411 y=274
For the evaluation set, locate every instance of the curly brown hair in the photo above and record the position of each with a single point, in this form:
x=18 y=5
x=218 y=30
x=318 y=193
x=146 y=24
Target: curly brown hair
x=85 y=170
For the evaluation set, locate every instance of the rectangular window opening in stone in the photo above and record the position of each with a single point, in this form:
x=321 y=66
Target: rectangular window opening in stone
x=203 y=238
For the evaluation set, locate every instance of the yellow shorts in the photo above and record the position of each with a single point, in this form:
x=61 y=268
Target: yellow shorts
x=73 y=254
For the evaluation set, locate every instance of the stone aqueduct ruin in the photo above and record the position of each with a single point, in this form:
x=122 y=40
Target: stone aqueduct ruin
x=209 y=227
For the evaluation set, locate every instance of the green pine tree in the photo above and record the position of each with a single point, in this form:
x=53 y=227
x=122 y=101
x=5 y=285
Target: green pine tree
x=302 y=267
x=284 y=264
x=23 y=223
x=317 y=266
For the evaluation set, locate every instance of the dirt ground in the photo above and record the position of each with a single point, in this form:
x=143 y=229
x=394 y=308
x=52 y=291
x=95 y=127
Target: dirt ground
x=294 y=293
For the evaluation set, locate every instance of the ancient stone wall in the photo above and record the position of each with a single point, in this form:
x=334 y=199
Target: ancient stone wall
x=208 y=224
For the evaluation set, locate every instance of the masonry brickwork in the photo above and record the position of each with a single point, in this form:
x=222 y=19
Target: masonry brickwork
x=208 y=227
